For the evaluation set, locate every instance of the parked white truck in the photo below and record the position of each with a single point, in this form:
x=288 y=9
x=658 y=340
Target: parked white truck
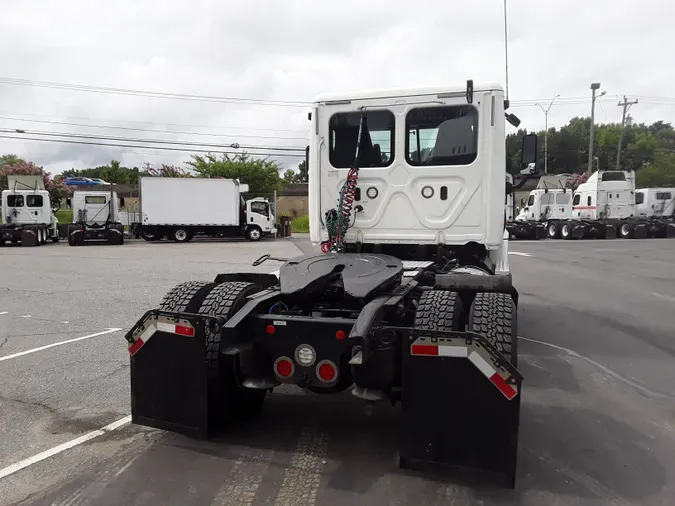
x=181 y=208
x=27 y=213
x=604 y=207
x=95 y=218
x=655 y=202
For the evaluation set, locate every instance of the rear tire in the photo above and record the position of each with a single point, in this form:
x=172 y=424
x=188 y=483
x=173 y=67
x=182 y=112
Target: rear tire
x=439 y=310
x=181 y=235
x=186 y=297
x=566 y=231
x=553 y=230
x=494 y=316
x=625 y=230
x=228 y=401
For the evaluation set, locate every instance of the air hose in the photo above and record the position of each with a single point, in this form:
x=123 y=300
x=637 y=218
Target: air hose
x=338 y=220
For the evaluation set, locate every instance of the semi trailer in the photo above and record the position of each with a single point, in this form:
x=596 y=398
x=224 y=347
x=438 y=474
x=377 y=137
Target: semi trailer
x=28 y=213
x=410 y=300
x=95 y=218
x=182 y=208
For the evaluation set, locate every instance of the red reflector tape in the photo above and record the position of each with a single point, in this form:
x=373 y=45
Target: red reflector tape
x=185 y=331
x=424 y=349
x=508 y=391
x=136 y=346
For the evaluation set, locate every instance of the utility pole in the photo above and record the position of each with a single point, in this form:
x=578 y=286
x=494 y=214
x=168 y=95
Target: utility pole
x=626 y=105
x=594 y=87
x=546 y=133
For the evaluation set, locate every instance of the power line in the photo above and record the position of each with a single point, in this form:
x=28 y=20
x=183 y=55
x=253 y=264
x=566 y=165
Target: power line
x=149 y=141
x=152 y=94
x=113 y=127
x=164 y=148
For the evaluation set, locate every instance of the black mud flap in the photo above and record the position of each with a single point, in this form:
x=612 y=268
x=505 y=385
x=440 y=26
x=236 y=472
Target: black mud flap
x=114 y=236
x=640 y=231
x=29 y=238
x=670 y=230
x=169 y=372
x=541 y=232
x=460 y=406
x=609 y=232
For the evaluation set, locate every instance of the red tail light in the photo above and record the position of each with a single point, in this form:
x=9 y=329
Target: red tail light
x=283 y=367
x=340 y=335
x=326 y=371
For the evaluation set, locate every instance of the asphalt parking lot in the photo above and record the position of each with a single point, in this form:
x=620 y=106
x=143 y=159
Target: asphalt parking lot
x=597 y=351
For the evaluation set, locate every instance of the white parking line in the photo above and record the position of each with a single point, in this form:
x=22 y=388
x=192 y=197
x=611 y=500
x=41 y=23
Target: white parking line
x=13 y=468
x=518 y=253
x=34 y=350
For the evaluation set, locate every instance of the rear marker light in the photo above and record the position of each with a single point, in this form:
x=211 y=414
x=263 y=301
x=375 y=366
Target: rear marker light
x=326 y=371
x=270 y=329
x=283 y=367
x=340 y=335
x=185 y=331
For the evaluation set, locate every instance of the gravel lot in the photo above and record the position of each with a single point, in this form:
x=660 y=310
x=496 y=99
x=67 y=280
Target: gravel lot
x=597 y=423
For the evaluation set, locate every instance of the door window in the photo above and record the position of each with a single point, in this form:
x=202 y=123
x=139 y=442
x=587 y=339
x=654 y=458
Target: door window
x=442 y=135
x=34 y=200
x=377 y=139
x=260 y=208
x=14 y=200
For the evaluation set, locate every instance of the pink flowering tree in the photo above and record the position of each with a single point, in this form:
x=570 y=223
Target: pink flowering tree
x=18 y=167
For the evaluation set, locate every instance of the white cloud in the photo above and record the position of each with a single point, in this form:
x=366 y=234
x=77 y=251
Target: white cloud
x=295 y=49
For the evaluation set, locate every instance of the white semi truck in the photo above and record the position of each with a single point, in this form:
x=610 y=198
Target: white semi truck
x=655 y=203
x=411 y=300
x=95 y=218
x=606 y=206
x=28 y=213
x=181 y=208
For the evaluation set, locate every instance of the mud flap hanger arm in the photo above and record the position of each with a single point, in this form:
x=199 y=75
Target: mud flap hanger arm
x=266 y=257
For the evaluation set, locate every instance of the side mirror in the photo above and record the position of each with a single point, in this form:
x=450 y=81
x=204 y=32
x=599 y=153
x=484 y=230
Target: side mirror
x=121 y=201
x=529 y=153
x=509 y=188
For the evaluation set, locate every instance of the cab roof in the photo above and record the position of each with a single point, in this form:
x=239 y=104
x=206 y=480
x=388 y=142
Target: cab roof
x=405 y=92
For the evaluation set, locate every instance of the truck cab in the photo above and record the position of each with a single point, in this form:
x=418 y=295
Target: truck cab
x=430 y=167
x=27 y=207
x=606 y=195
x=547 y=204
x=259 y=215
x=94 y=207
x=655 y=202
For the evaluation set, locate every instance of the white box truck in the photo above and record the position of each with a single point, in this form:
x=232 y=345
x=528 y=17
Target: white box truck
x=181 y=208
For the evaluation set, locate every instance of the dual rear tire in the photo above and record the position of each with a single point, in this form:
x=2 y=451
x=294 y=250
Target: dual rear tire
x=491 y=314
x=228 y=401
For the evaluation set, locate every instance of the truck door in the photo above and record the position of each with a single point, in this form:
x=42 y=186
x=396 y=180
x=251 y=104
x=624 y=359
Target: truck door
x=259 y=214
x=35 y=207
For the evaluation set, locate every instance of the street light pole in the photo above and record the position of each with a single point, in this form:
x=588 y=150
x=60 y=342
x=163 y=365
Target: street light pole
x=594 y=86
x=546 y=133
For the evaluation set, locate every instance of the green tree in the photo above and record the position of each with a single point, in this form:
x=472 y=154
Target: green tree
x=300 y=175
x=262 y=175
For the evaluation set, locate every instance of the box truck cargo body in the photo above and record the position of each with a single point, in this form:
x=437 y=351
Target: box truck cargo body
x=181 y=208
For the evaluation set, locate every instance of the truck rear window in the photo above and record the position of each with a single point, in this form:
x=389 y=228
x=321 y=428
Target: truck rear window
x=34 y=200
x=377 y=142
x=94 y=199
x=663 y=196
x=14 y=200
x=442 y=135
x=639 y=198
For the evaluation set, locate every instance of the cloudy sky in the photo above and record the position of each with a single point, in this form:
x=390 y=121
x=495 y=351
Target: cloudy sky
x=291 y=50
